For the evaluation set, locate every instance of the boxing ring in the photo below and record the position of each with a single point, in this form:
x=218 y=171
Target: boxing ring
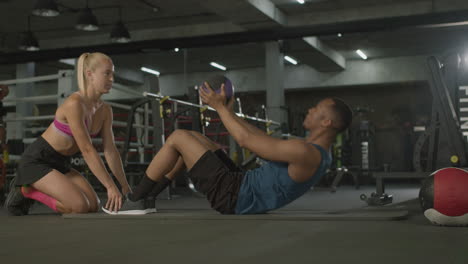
x=149 y=136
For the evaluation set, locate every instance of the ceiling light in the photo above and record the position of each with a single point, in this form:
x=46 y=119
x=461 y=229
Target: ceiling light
x=176 y=49
x=339 y=35
x=290 y=60
x=219 y=66
x=68 y=61
x=45 y=8
x=148 y=70
x=87 y=21
x=119 y=33
x=360 y=53
x=301 y=1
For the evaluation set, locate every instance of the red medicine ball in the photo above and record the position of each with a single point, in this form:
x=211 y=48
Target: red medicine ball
x=446 y=192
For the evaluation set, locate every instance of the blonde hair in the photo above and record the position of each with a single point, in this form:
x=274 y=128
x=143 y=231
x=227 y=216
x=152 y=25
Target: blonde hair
x=87 y=61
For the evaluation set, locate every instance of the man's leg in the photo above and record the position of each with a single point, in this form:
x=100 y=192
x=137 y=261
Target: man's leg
x=180 y=165
x=182 y=150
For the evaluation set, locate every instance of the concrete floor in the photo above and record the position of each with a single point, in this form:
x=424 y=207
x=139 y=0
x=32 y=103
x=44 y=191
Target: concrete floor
x=49 y=238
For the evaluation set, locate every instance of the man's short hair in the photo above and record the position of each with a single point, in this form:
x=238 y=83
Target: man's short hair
x=343 y=112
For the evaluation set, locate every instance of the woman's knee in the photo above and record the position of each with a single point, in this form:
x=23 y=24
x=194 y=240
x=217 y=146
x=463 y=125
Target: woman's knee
x=80 y=206
x=94 y=206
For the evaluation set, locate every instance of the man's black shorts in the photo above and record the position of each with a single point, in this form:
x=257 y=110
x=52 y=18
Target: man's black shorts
x=216 y=176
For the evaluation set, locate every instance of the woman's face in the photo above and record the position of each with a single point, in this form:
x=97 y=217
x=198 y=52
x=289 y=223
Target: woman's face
x=102 y=77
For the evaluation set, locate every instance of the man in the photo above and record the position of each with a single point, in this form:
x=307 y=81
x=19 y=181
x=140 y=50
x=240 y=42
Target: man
x=294 y=165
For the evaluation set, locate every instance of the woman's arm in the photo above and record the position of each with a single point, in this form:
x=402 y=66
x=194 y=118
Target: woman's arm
x=75 y=116
x=111 y=152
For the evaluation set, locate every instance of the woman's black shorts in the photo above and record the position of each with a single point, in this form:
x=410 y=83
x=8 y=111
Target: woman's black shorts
x=38 y=160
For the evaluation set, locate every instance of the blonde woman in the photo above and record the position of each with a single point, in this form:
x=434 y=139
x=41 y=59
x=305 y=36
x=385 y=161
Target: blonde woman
x=44 y=171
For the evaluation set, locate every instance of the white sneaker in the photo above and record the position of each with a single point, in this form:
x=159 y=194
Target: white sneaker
x=150 y=205
x=129 y=208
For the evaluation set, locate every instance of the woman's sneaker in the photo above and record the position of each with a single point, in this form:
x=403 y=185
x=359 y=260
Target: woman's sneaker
x=15 y=203
x=129 y=207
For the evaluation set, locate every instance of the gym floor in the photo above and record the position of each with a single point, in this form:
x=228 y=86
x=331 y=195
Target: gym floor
x=47 y=237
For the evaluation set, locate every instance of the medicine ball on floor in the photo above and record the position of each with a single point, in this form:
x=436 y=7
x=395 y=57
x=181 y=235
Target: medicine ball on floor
x=444 y=197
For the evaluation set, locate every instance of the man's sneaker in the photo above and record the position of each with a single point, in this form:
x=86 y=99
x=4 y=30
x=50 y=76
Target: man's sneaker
x=150 y=205
x=438 y=218
x=129 y=208
x=15 y=203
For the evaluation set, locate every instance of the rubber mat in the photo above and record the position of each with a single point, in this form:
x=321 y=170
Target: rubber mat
x=362 y=215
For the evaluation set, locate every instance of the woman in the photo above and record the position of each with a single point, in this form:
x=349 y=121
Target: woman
x=44 y=171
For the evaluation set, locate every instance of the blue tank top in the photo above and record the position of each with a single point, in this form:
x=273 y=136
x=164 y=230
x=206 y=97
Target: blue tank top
x=270 y=187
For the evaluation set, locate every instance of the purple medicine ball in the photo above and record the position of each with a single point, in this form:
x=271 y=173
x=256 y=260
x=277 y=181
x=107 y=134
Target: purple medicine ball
x=215 y=83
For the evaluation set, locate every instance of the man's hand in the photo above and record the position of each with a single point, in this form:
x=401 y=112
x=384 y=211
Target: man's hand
x=212 y=98
x=230 y=104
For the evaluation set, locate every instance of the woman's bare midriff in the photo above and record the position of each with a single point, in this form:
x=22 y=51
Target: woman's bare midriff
x=63 y=144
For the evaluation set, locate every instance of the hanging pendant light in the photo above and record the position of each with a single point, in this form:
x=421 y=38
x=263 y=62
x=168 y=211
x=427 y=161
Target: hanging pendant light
x=87 y=21
x=45 y=8
x=29 y=42
x=119 y=33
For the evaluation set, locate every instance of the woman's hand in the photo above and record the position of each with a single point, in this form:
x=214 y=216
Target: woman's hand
x=126 y=190
x=114 y=199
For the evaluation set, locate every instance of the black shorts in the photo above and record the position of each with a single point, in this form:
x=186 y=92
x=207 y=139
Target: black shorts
x=38 y=160
x=216 y=176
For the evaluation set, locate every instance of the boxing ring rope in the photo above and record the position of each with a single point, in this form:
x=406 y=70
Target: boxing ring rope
x=30 y=118
x=125 y=107
x=42 y=98
x=125 y=89
x=32 y=79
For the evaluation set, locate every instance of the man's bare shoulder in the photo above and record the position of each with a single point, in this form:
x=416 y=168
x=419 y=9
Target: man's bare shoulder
x=306 y=161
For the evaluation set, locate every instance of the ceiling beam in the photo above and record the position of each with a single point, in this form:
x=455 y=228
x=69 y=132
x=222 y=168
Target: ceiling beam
x=323 y=58
x=270 y=10
x=319 y=56
x=371 y=25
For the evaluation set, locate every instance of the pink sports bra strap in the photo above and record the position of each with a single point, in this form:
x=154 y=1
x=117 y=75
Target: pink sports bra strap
x=65 y=128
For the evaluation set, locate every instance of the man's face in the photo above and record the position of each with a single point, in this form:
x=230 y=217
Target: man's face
x=317 y=113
